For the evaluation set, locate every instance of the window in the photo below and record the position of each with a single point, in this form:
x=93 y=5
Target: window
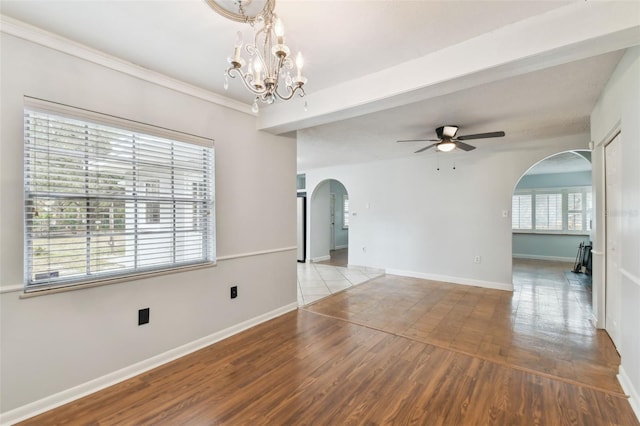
x=522 y=215
x=554 y=210
x=345 y=211
x=548 y=208
x=152 y=208
x=105 y=201
x=301 y=182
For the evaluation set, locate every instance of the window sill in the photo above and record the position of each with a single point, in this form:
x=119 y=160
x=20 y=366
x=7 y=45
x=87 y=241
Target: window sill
x=565 y=233
x=108 y=281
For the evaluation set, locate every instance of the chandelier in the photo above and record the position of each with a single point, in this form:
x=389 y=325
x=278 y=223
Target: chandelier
x=268 y=72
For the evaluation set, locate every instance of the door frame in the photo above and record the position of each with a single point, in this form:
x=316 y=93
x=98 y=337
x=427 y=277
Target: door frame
x=612 y=329
x=599 y=230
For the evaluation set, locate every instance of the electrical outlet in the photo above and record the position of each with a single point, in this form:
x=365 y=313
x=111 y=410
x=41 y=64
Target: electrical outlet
x=234 y=291
x=477 y=259
x=143 y=316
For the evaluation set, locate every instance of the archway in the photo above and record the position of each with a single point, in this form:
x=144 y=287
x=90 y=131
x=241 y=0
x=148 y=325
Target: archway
x=552 y=207
x=329 y=223
x=552 y=210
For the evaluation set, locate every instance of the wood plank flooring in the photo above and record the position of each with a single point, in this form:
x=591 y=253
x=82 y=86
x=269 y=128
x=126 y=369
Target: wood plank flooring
x=391 y=351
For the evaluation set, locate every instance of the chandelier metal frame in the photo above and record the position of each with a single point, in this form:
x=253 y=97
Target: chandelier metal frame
x=268 y=74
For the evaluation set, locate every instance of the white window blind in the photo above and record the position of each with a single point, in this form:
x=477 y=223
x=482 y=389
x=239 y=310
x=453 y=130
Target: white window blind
x=549 y=212
x=521 y=207
x=104 y=202
x=552 y=210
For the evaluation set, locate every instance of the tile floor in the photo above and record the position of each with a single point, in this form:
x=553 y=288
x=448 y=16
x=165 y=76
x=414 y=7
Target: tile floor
x=316 y=281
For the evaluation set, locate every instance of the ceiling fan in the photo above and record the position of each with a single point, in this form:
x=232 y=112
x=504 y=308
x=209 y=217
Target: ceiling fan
x=447 y=140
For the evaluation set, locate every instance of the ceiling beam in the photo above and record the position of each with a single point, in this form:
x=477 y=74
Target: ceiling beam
x=577 y=31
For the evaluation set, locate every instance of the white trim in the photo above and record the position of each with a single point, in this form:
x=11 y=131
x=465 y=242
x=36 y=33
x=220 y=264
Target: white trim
x=44 y=38
x=597 y=253
x=539 y=257
x=11 y=288
x=321 y=258
x=32 y=409
x=452 y=280
x=627 y=387
x=256 y=253
x=630 y=276
x=343 y=246
x=544 y=232
x=20 y=288
x=69 y=111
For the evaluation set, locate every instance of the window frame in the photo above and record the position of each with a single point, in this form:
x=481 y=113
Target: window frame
x=564 y=191
x=206 y=235
x=345 y=211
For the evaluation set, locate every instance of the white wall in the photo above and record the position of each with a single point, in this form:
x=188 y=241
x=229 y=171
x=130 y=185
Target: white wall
x=319 y=231
x=341 y=235
x=413 y=220
x=52 y=343
x=618 y=109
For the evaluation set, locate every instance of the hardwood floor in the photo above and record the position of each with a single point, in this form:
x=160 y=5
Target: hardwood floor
x=395 y=351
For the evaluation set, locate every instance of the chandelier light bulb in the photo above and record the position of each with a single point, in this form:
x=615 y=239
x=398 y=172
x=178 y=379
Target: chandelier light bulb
x=237 y=47
x=250 y=70
x=299 y=64
x=257 y=73
x=279 y=30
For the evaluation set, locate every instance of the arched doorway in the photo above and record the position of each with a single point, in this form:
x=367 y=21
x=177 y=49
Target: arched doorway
x=552 y=207
x=329 y=223
x=552 y=210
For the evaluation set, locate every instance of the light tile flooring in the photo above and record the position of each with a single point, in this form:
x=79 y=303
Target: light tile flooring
x=316 y=281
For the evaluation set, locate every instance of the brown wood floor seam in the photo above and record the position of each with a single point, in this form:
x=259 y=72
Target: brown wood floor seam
x=486 y=359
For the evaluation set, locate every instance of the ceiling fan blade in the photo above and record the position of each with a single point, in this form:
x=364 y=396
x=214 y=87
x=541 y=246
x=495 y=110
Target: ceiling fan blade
x=463 y=146
x=481 y=136
x=419 y=140
x=425 y=148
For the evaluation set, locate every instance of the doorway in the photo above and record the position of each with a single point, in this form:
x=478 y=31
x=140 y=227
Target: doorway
x=329 y=223
x=552 y=209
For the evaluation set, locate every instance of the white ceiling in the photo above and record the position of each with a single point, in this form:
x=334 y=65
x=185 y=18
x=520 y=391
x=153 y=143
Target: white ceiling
x=565 y=162
x=532 y=97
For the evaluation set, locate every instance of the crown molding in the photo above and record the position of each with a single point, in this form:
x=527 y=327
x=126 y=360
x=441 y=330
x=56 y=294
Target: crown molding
x=44 y=38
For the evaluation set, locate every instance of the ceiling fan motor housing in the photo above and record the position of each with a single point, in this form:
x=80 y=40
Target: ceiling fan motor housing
x=446 y=132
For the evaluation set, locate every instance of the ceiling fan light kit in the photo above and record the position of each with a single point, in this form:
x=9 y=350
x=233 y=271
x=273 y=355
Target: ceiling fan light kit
x=446 y=145
x=268 y=73
x=447 y=140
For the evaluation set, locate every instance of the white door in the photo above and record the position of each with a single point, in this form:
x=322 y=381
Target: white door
x=613 y=202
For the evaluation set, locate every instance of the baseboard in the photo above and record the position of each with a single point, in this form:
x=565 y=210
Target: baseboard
x=321 y=258
x=538 y=257
x=45 y=404
x=341 y=247
x=627 y=387
x=452 y=280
